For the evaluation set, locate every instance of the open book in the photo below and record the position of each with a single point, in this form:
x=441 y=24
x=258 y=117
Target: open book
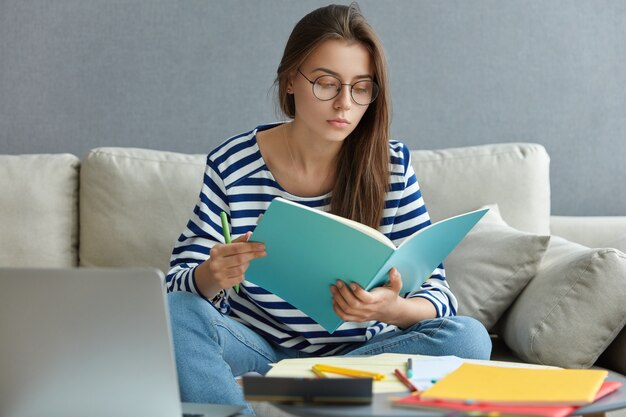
x=308 y=250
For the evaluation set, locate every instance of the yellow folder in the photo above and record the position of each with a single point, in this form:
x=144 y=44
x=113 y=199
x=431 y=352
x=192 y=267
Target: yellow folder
x=504 y=385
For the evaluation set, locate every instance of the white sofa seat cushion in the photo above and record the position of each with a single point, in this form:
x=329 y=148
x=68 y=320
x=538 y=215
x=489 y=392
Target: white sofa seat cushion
x=515 y=176
x=39 y=208
x=572 y=309
x=134 y=203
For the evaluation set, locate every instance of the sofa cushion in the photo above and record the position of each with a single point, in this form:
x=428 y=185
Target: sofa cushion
x=619 y=243
x=573 y=308
x=134 y=203
x=491 y=267
x=513 y=175
x=40 y=197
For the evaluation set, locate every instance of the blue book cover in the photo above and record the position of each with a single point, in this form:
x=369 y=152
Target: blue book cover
x=308 y=250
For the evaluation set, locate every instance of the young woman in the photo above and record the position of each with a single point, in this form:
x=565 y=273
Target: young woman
x=334 y=155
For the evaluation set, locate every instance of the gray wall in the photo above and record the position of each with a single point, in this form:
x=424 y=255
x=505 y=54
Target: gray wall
x=183 y=76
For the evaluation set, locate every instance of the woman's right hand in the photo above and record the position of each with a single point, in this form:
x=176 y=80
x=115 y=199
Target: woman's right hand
x=227 y=265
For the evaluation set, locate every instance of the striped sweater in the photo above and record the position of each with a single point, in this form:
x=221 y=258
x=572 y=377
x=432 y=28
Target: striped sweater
x=236 y=180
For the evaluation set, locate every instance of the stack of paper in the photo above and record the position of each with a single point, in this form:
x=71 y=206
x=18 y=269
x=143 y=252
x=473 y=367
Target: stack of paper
x=384 y=363
x=424 y=372
x=497 y=384
x=425 y=368
x=527 y=391
x=415 y=401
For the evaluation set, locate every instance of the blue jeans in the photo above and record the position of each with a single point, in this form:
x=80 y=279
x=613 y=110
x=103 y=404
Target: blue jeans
x=212 y=349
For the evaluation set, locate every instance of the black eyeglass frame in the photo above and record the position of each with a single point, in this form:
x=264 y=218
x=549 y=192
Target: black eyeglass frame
x=374 y=93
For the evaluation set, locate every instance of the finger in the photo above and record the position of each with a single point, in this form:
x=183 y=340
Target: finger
x=344 y=297
x=360 y=294
x=339 y=312
x=243 y=238
x=344 y=315
x=340 y=309
x=222 y=264
x=339 y=299
x=350 y=305
x=228 y=277
x=395 y=280
x=234 y=273
x=345 y=292
x=241 y=261
x=234 y=249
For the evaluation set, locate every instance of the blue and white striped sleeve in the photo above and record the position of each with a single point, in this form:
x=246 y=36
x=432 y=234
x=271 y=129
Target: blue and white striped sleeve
x=410 y=217
x=202 y=232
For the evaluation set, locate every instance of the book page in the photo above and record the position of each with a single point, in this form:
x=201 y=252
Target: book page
x=369 y=231
x=384 y=363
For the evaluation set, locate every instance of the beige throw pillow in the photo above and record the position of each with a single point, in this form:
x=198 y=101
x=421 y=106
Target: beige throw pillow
x=491 y=266
x=134 y=203
x=573 y=308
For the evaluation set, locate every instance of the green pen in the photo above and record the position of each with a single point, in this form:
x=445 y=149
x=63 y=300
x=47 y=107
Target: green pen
x=227 y=239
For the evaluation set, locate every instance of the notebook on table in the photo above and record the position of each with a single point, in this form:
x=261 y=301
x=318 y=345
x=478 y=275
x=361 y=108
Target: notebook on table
x=88 y=342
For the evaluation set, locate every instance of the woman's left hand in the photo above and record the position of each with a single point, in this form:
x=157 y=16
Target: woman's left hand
x=352 y=303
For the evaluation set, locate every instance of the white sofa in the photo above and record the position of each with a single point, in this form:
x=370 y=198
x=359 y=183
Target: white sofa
x=546 y=299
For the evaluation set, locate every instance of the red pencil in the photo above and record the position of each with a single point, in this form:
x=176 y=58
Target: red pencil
x=405 y=381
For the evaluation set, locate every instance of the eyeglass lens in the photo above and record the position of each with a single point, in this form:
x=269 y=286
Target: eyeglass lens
x=328 y=87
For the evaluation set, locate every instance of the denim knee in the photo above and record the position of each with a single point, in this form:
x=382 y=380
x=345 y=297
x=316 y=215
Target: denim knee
x=190 y=312
x=460 y=336
x=183 y=302
x=179 y=301
x=472 y=336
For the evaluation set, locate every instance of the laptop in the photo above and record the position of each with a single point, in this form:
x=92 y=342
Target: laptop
x=88 y=342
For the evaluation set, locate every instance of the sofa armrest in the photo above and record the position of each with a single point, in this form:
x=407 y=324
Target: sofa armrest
x=39 y=210
x=591 y=231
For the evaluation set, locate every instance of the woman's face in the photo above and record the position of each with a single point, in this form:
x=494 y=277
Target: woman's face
x=334 y=119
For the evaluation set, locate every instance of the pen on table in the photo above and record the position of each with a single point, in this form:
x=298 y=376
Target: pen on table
x=409 y=368
x=405 y=381
x=355 y=373
x=227 y=239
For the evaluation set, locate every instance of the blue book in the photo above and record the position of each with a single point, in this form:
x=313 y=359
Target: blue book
x=308 y=250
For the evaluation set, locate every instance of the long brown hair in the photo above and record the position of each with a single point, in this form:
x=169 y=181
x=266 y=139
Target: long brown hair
x=363 y=162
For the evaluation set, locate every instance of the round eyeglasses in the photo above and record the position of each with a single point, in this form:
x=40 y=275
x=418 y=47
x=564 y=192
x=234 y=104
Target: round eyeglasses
x=327 y=87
